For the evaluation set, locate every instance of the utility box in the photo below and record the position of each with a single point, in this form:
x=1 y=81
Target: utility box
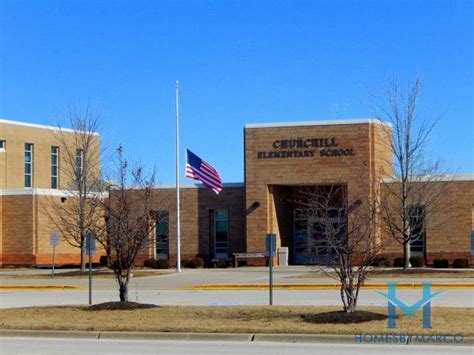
x=283 y=256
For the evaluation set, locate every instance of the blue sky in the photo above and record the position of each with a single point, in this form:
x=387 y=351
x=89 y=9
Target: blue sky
x=237 y=62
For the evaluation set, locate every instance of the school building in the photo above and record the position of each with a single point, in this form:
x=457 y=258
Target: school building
x=278 y=159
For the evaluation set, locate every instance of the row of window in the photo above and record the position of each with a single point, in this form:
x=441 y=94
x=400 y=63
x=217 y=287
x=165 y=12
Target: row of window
x=54 y=163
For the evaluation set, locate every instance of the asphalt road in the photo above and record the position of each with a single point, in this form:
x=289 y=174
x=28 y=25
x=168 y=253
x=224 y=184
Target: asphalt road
x=87 y=346
x=13 y=299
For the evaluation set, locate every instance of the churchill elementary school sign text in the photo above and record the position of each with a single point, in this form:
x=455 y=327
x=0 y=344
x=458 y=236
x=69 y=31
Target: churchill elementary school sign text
x=301 y=147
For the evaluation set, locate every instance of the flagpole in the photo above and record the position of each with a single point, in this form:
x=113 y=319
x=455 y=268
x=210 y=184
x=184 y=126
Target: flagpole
x=178 y=224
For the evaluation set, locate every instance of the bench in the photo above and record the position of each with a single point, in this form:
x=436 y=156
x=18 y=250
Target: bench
x=248 y=256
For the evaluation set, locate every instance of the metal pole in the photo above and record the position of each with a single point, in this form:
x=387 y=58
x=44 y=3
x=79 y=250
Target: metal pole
x=271 y=270
x=89 y=246
x=178 y=226
x=54 y=249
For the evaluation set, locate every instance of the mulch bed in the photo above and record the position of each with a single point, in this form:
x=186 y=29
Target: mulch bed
x=119 y=306
x=341 y=317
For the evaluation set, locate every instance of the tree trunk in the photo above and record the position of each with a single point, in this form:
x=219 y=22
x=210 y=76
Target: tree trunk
x=350 y=301
x=123 y=292
x=406 y=255
x=343 y=297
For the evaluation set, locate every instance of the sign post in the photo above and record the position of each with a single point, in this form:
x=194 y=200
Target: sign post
x=271 y=252
x=53 y=240
x=90 y=250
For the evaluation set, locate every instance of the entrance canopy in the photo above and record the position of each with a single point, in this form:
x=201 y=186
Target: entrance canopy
x=303 y=217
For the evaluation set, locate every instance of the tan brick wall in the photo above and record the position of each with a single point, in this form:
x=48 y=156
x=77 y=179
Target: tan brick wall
x=12 y=168
x=359 y=171
x=448 y=226
x=196 y=232
x=1 y=229
x=24 y=229
x=26 y=232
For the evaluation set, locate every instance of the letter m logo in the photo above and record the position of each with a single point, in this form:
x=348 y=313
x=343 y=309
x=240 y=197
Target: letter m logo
x=409 y=310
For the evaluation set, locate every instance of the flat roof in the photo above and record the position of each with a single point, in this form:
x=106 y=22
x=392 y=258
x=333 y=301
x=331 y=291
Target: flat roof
x=35 y=125
x=317 y=123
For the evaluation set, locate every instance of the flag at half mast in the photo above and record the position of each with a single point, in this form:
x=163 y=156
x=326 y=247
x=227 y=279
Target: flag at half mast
x=198 y=169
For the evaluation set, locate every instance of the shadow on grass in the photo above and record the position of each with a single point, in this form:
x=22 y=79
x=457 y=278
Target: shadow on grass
x=341 y=317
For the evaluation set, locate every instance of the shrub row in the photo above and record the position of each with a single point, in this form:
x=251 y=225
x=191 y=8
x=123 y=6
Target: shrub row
x=457 y=263
x=223 y=263
x=156 y=264
x=419 y=261
x=194 y=263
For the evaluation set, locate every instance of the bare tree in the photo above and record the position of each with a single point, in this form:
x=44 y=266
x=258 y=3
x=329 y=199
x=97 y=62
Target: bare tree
x=79 y=164
x=129 y=220
x=341 y=234
x=415 y=191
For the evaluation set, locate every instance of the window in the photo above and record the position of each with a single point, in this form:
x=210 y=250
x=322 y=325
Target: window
x=3 y=145
x=28 y=164
x=79 y=162
x=221 y=232
x=54 y=167
x=162 y=234
x=416 y=220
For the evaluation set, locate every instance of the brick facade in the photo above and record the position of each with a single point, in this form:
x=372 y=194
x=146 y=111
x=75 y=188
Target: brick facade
x=277 y=158
x=197 y=206
x=24 y=226
x=361 y=162
x=449 y=224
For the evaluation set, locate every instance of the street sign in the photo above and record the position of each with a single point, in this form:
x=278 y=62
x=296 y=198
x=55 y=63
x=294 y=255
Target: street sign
x=54 y=238
x=90 y=244
x=270 y=245
x=270 y=251
x=90 y=250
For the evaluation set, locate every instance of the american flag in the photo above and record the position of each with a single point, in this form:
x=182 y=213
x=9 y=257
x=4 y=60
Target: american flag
x=198 y=169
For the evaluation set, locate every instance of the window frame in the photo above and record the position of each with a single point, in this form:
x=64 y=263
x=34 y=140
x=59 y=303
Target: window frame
x=28 y=176
x=79 y=162
x=222 y=246
x=417 y=246
x=162 y=217
x=54 y=177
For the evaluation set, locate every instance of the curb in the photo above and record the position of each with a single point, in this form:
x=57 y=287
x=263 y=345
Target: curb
x=373 y=286
x=243 y=337
x=38 y=287
x=224 y=287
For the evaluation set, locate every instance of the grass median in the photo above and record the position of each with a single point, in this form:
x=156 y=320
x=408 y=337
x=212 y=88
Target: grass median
x=251 y=319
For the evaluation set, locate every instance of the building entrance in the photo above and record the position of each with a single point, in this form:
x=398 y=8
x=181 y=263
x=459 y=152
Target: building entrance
x=311 y=244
